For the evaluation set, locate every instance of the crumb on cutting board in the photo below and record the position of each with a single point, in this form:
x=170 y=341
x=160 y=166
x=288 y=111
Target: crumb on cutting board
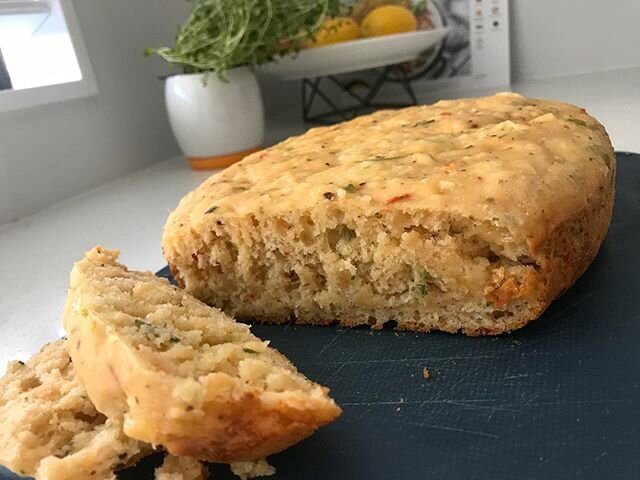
x=181 y=468
x=247 y=470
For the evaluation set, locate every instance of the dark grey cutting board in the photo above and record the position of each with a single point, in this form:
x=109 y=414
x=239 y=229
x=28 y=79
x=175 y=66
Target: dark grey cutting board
x=558 y=399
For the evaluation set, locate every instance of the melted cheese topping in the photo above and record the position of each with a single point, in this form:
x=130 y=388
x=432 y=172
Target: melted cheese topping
x=520 y=163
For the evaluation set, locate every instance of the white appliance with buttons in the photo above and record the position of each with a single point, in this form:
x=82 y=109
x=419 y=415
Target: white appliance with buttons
x=475 y=53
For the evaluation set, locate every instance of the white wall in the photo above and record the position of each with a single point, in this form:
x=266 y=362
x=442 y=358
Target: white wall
x=53 y=152
x=552 y=38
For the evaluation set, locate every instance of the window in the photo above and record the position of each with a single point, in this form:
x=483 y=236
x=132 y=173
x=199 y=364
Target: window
x=42 y=56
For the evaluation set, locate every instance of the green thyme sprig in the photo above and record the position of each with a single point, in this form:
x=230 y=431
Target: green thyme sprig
x=577 y=121
x=222 y=34
x=422 y=279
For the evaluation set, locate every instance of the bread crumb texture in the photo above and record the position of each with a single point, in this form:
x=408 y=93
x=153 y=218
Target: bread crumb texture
x=248 y=470
x=181 y=374
x=50 y=430
x=469 y=215
x=180 y=468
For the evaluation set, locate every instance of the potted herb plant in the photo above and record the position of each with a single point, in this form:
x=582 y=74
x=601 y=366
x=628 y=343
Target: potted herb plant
x=214 y=103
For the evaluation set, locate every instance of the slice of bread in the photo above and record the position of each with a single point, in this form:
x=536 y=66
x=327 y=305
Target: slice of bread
x=50 y=430
x=180 y=468
x=182 y=374
x=467 y=215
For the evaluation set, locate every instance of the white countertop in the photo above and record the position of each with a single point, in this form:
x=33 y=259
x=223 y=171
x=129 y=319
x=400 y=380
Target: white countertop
x=37 y=252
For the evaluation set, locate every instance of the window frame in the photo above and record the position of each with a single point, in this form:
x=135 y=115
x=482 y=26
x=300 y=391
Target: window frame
x=11 y=100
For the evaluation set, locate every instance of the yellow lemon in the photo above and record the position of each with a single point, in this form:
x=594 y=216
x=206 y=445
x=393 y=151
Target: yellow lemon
x=334 y=30
x=387 y=20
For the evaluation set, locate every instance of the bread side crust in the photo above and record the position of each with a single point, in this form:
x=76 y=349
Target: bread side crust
x=570 y=259
x=561 y=258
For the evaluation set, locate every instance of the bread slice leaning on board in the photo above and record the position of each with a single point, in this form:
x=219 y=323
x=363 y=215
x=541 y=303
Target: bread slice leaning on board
x=181 y=374
x=467 y=215
x=50 y=430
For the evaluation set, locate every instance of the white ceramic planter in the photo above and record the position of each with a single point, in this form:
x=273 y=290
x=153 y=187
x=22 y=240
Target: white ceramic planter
x=216 y=123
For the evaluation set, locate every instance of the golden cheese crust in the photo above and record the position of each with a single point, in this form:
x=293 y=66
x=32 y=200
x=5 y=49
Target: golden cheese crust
x=467 y=215
x=180 y=374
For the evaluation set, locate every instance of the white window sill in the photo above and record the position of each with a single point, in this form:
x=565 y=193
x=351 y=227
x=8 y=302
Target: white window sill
x=33 y=97
x=37 y=16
